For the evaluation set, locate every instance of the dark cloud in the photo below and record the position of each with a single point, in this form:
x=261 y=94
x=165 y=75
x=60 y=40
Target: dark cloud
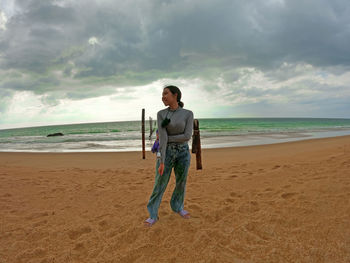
x=313 y=32
x=137 y=42
x=35 y=36
x=38 y=85
x=170 y=35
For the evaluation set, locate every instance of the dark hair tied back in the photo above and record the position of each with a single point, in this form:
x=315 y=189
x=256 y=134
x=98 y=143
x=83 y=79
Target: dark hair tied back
x=175 y=90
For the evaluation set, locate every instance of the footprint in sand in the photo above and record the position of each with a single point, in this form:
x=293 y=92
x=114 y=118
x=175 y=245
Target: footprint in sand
x=79 y=246
x=249 y=207
x=37 y=215
x=28 y=254
x=258 y=234
x=195 y=207
x=40 y=223
x=331 y=158
x=288 y=195
x=233 y=194
x=35 y=235
x=58 y=189
x=75 y=233
x=320 y=177
x=103 y=225
x=229 y=200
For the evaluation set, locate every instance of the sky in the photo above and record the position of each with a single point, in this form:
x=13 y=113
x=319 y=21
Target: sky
x=65 y=61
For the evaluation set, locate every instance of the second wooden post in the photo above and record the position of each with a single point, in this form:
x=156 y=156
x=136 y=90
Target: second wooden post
x=196 y=144
x=143 y=134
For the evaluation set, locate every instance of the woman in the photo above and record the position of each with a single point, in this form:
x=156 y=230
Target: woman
x=175 y=125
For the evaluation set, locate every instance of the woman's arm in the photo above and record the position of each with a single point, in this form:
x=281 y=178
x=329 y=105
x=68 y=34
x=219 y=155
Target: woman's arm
x=186 y=136
x=163 y=137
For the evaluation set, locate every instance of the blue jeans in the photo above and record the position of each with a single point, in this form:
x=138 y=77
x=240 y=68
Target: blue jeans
x=178 y=157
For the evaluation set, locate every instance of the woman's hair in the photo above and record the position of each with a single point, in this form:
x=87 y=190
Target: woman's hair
x=175 y=90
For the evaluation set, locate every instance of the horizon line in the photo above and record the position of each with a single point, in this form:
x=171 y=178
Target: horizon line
x=204 y=118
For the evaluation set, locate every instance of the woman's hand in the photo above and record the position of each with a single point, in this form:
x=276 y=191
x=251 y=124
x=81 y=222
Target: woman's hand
x=161 y=169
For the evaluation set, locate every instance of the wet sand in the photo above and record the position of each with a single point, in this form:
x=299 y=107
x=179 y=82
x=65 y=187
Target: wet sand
x=285 y=202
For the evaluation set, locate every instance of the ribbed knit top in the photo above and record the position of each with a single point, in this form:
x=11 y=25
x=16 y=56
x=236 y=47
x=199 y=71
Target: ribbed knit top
x=179 y=130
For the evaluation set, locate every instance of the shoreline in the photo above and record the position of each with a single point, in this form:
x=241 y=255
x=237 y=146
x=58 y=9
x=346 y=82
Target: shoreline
x=210 y=156
x=271 y=138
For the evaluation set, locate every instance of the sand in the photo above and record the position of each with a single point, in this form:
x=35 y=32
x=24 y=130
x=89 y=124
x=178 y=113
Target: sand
x=285 y=202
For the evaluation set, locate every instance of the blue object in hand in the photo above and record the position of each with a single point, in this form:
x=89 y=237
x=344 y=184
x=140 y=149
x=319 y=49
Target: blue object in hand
x=155 y=147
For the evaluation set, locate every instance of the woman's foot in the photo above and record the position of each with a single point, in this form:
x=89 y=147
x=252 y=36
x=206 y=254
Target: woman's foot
x=149 y=222
x=185 y=214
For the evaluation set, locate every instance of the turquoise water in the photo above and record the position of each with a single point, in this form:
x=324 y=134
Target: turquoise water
x=249 y=125
x=126 y=136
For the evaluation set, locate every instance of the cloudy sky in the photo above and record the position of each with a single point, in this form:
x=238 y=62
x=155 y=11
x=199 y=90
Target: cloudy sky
x=65 y=61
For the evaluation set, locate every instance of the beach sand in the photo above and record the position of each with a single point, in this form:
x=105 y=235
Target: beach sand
x=285 y=202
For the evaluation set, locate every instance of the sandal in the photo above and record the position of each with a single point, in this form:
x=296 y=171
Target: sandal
x=149 y=222
x=185 y=214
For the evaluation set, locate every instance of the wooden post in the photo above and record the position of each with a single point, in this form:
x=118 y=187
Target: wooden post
x=150 y=128
x=143 y=134
x=196 y=144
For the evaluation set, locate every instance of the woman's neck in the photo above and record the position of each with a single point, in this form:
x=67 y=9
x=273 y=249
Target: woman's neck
x=174 y=106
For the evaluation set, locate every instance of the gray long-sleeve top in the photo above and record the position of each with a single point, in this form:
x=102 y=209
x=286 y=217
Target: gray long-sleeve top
x=178 y=130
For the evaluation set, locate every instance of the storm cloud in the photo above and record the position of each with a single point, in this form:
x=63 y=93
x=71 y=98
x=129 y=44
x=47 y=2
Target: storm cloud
x=79 y=49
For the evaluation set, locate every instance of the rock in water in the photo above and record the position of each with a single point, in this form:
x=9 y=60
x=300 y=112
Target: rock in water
x=55 y=134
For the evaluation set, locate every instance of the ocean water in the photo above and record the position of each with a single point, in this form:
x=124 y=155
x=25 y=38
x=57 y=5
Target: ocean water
x=126 y=136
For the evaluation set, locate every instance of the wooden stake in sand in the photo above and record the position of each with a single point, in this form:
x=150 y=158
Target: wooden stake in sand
x=196 y=144
x=150 y=128
x=143 y=134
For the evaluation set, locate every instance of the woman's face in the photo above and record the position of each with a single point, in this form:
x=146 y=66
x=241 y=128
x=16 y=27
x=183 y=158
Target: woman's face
x=168 y=98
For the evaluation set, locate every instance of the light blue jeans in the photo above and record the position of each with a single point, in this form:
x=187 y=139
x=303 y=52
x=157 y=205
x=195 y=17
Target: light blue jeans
x=178 y=157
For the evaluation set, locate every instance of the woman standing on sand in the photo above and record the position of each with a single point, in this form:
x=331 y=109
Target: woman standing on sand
x=175 y=125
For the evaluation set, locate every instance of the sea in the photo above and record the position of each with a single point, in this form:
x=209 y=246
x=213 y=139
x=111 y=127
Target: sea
x=127 y=135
